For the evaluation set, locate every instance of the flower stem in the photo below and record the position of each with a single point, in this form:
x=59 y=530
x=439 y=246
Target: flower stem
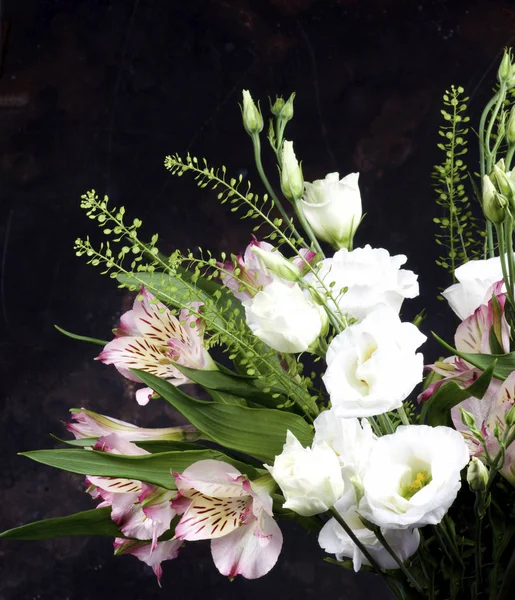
x=402 y=566
x=403 y=416
x=257 y=157
x=509 y=156
x=340 y=520
x=477 y=545
x=307 y=227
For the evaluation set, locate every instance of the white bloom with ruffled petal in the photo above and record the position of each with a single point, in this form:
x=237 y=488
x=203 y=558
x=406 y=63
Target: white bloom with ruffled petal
x=373 y=366
x=413 y=476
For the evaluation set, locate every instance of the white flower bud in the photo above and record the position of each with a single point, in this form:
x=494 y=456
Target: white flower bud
x=252 y=119
x=477 y=475
x=292 y=180
x=333 y=208
x=277 y=264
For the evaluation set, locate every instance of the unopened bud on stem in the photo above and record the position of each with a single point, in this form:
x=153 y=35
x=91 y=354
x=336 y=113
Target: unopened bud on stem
x=252 y=119
x=292 y=180
x=477 y=475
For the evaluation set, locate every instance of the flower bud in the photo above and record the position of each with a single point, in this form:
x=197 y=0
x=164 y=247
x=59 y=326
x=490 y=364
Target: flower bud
x=252 y=119
x=501 y=179
x=505 y=68
x=277 y=263
x=494 y=205
x=467 y=418
x=510 y=127
x=509 y=418
x=333 y=208
x=477 y=475
x=277 y=106
x=292 y=180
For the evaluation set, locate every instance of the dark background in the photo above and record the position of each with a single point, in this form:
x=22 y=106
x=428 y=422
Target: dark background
x=95 y=93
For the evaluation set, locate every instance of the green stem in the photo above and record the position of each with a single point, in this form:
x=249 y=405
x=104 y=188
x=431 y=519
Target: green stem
x=509 y=156
x=482 y=163
x=502 y=256
x=403 y=416
x=307 y=227
x=508 y=232
x=385 y=423
x=257 y=157
x=402 y=566
x=477 y=545
x=500 y=96
x=362 y=548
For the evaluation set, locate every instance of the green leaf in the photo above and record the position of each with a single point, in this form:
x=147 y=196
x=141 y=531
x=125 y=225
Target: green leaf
x=90 y=522
x=152 y=468
x=451 y=394
x=232 y=383
x=81 y=338
x=504 y=363
x=259 y=432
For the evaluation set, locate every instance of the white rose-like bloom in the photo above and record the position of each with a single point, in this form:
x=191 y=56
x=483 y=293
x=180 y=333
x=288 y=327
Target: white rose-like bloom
x=365 y=279
x=310 y=478
x=284 y=317
x=333 y=208
x=413 y=476
x=475 y=279
x=373 y=366
x=333 y=539
x=352 y=441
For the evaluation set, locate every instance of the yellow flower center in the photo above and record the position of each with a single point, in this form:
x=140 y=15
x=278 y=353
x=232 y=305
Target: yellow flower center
x=421 y=479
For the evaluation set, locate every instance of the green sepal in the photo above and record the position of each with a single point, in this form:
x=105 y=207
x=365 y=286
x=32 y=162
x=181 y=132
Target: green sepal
x=451 y=394
x=259 y=432
x=90 y=522
x=152 y=468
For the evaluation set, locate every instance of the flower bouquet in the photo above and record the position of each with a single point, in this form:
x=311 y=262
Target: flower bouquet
x=303 y=376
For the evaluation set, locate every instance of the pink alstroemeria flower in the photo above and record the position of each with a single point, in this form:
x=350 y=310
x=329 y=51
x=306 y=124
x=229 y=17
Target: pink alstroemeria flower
x=473 y=337
x=151 y=339
x=143 y=551
x=253 y=275
x=489 y=414
x=140 y=510
x=221 y=504
x=89 y=424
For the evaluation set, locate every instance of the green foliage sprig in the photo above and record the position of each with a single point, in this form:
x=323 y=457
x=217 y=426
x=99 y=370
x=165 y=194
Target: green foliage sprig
x=459 y=236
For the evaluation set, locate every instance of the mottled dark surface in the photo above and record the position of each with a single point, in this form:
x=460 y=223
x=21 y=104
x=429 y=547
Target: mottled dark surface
x=95 y=93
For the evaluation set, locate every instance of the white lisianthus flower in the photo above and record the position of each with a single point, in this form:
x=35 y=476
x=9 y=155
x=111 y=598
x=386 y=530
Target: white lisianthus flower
x=475 y=280
x=352 y=440
x=413 y=476
x=373 y=366
x=310 y=478
x=334 y=540
x=365 y=279
x=333 y=208
x=284 y=317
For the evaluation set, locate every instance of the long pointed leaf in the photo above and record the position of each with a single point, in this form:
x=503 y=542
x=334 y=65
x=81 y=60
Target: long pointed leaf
x=260 y=432
x=152 y=468
x=90 y=522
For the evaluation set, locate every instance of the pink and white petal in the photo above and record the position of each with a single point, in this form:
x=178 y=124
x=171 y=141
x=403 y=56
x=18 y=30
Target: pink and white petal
x=116 y=485
x=470 y=333
x=153 y=558
x=213 y=478
x=180 y=504
x=143 y=395
x=128 y=325
x=154 y=320
x=115 y=444
x=248 y=551
x=207 y=518
x=139 y=353
x=306 y=256
x=192 y=321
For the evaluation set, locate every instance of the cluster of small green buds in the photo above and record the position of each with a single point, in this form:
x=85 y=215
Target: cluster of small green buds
x=278 y=264
x=252 y=118
x=283 y=110
x=469 y=421
x=477 y=475
x=292 y=180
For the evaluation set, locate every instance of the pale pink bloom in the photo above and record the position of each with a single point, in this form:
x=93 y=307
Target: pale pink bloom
x=152 y=557
x=221 y=504
x=88 y=424
x=489 y=414
x=151 y=339
x=140 y=510
x=253 y=275
x=473 y=337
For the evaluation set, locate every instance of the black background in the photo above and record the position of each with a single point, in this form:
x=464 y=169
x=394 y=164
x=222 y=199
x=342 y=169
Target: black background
x=95 y=93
